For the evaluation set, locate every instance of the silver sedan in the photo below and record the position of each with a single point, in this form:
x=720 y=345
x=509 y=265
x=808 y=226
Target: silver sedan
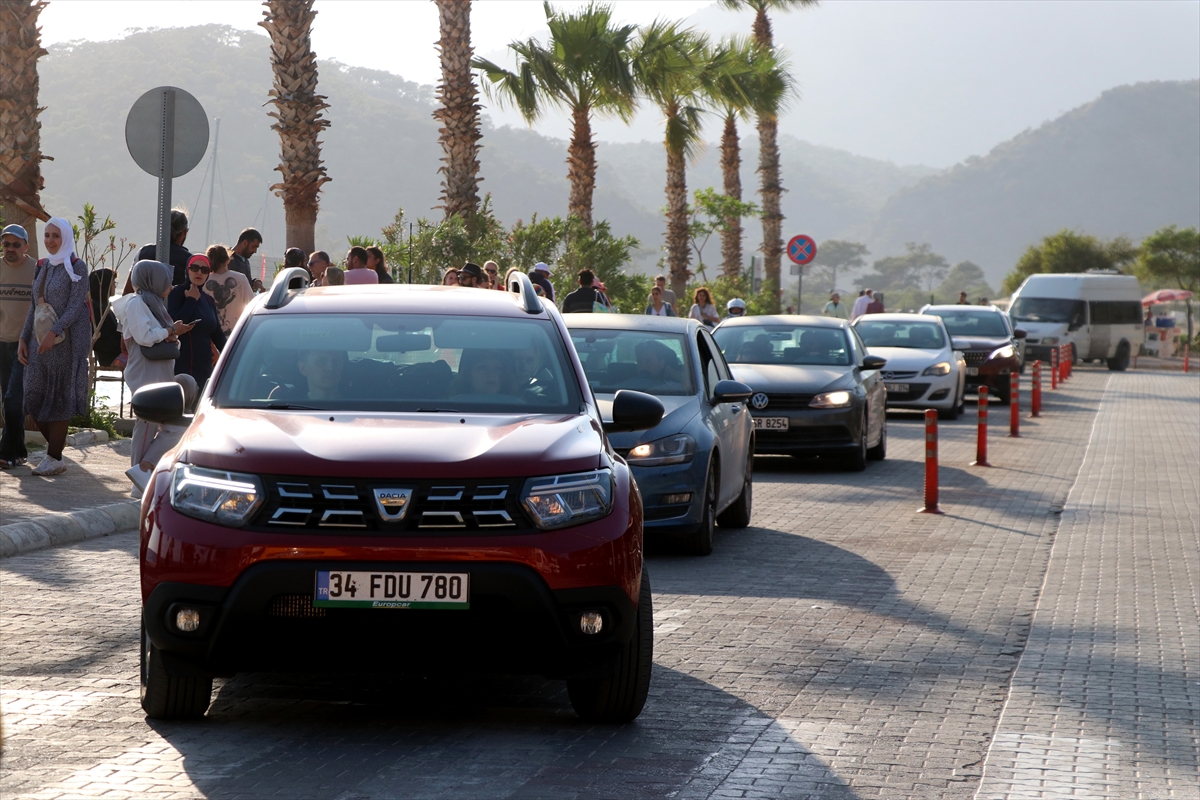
x=923 y=368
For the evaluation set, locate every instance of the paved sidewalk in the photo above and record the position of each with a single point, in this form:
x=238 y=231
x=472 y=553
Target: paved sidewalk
x=95 y=476
x=1105 y=702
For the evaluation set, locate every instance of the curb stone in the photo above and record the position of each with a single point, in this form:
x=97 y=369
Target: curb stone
x=81 y=438
x=52 y=530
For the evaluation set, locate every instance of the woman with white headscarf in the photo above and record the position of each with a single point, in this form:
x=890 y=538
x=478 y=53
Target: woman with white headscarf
x=145 y=322
x=55 y=342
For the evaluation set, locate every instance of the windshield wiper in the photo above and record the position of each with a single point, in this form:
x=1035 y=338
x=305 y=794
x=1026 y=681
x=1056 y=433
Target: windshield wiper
x=437 y=410
x=289 y=407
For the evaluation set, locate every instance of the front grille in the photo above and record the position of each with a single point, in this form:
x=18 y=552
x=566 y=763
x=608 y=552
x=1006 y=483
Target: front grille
x=314 y=505
x=778 y=402
x=974 y=359
x=899 y=376
x=294 y=605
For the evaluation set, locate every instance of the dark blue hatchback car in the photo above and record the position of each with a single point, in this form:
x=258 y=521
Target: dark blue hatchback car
x=695 y=468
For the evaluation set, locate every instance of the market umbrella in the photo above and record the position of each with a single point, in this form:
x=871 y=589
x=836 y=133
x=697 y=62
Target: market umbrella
x=1165 y=296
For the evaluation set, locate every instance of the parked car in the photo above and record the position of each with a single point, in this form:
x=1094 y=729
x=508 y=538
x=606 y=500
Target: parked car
x=816 y=389
x=923 y=368
x=1100 y=314
x=407 y=479
x=988 y=342
x=696 y=467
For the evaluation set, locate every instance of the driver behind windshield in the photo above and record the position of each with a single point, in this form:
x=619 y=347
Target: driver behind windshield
x=532 y=377
x=483 y=372
x=323 y=370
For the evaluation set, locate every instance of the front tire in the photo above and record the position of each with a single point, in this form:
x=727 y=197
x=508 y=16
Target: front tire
x=621 y=696
x=953 y=411
x=857 y=460
x=879 y=451
x=167 y=696
x=700 y=543
x=738 y=514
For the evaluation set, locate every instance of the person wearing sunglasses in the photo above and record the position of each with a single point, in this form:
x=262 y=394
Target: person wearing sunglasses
x=189 y=302
x=492 y=270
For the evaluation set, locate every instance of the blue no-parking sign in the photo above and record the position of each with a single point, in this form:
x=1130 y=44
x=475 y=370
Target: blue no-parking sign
x=802 y=249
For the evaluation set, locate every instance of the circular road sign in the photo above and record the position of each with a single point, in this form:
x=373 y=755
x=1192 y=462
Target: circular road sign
x=802 y=249
x=143 y=131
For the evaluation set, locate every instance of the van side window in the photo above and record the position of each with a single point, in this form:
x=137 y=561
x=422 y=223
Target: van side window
x=1116 y=312
x=1078 y=315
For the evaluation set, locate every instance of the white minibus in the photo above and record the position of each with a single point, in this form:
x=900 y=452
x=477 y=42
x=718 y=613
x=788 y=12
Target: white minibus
x=1099 y=312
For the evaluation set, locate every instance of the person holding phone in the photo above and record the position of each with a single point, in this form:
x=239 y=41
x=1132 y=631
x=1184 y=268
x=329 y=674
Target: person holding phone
x=189 y=302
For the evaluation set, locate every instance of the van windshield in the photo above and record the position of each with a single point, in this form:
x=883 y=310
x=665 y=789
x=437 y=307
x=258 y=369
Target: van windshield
x=399 y=362
x=1047 y=309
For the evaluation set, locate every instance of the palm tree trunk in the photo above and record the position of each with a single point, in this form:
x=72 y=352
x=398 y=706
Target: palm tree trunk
x=731 y=165
x=297 y=116
x=581 y=166
x=677 y=227
x=459 y=114
x=772 y=185
x=20 y=130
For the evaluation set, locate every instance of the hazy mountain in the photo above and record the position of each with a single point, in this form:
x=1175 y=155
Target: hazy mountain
x=1126 y=163
x=381 y=151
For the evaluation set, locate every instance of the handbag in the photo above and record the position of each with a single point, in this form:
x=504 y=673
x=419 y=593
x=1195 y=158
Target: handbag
x=162 y=351
x=44 y=316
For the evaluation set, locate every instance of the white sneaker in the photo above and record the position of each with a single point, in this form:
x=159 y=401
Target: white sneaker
x=51 y=466
x=139 y=476
x=135 y=493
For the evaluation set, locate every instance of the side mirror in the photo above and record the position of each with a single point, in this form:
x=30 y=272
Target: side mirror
x=634 y=411
x=873 y=362
x=730 y=392
x=159 y=402
x=1019 y=333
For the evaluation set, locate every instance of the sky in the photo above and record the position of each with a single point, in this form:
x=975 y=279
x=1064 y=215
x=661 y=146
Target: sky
x=930 y=82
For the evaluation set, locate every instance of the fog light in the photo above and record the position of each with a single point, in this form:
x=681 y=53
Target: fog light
x=676 y=499
x=590 y=622
x=187 y=620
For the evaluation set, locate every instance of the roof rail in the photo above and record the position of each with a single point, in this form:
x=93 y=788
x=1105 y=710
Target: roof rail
x=520 y=284
x=293 y=278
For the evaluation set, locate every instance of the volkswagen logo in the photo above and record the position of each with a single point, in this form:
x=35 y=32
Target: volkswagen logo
x=759 y=400
x=887 y=376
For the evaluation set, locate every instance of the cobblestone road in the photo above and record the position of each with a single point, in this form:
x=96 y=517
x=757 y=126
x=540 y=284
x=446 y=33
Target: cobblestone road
x=844 y=647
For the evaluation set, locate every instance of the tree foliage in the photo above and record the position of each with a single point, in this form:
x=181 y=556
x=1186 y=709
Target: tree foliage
x=965 y=276
x=1070 y=251
x=918 y=268
x=1170 y=258
x=834 y=256
x=713 y=212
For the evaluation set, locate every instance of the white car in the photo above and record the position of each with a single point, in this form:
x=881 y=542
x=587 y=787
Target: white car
x=923 y=368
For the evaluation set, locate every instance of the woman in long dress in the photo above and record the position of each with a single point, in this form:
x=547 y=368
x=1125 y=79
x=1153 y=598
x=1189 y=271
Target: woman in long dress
x=145 y=322
x=56 y=370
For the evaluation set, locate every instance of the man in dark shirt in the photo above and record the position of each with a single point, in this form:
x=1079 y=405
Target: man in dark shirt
x=239 y=258
x=179 y=253
x=582 y=299
x=539 y=277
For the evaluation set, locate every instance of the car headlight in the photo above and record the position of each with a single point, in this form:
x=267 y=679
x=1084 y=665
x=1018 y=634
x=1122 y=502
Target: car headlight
x=677 y=449
x=942 y=368
x=214 y=495
x=831 y=400
x=1050 y=340
x=560 y=501
x=1003 y=352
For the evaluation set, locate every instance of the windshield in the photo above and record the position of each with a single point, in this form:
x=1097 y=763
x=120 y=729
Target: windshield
x=783 y=344
x=973 y=323
x=648 y=361
x=925 y=335
x=1047 y=309
x=399 y=362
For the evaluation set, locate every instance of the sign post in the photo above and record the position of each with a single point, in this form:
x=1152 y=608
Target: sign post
x=166 y=133
x=801 y=250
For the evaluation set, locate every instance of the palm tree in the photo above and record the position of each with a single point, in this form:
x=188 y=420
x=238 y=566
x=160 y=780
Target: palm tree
x=297 y=116
x=768 y=148
x=459 y=113
x=20 y=130
x=745 y=79
x=585 y=68
x=672 y=70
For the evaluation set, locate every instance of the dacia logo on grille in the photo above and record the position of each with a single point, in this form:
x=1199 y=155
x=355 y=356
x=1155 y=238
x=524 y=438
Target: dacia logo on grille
x=759 y=400
x=392 y=503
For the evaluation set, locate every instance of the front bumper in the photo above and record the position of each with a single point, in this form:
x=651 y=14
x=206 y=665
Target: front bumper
x=660 y=488
x=811 y=431
x=925 y=391
x=266 y=621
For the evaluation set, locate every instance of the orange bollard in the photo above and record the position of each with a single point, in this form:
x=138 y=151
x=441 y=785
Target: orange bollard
x=1014 y=406
x=931 y=464
x=981 y=442
x=1054 y=368
x=1035 y=403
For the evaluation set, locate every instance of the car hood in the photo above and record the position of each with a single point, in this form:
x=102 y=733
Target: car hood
x=677 y=413
x=907 y=359
x=988 y=343
x=376 y=445
x=793 y=379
